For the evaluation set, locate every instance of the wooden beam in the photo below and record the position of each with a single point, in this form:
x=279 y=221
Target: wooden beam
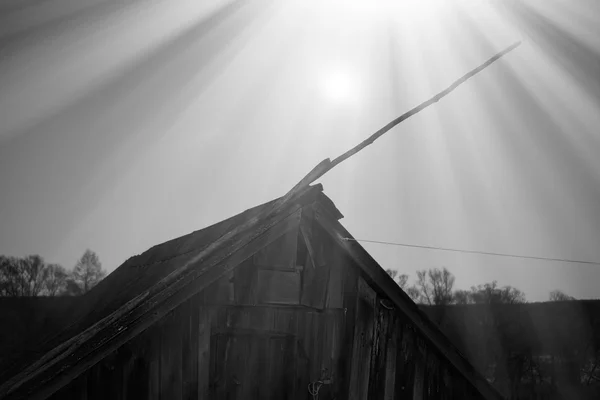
x=70 y=359
x=376 y=274
x=307 y=241
x=326 y=165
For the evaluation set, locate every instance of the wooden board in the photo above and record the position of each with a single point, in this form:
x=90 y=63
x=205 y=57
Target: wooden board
x=420 y=368
x=278 y=287
x=204 y=333
x=245 y=277
x=248 y=366
x=338 y=269
x=170 y=357
x=221 y=291
x=363 y=340
x=279 y=254
x=405 y=368
x=390 y=364
x=380 y=343
x=189 y=349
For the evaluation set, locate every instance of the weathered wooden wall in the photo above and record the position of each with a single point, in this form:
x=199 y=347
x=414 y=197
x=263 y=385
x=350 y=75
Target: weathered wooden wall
x=198 y=351
x=264 y=331
x=391 y=360
x=24 y=320
x=297 y=312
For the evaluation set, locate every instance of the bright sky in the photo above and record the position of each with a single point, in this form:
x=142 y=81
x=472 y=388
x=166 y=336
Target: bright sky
x=123 y=125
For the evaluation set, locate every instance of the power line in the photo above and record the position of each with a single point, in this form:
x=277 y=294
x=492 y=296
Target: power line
x=487 y=253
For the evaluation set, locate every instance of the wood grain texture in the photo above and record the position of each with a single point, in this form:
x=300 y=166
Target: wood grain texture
x=170 y=356
x=278 y=287
x=363 y=342
x=378 y=277
x=56 y=368
x=279 y=254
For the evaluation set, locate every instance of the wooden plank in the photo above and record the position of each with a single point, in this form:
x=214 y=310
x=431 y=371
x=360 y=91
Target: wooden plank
x=377 y=383
x=310 y=263
x=135 y=377
x=204 y=331
x=405 y=367
x=285 y=320
x=312 y=236
x=309 y=338
x=261 y=318
x=314 y=286
x=346 y=356
x=245 y=284
x=281 y=358
x=320 y=350
x=363 y=340
x=278 y=287
x=221 y=291
x=238 y=317
x=74 y=390
x=419 y=360
x=170 y=357
x=126 y=359
x=186 y=357
x=376 y=274
x=431 y=376
x=67 y=361
x=189 y=349
x=337 y=348
x=154 y=379
x=335 y=290
x=279 y=254
x=391 y=361
x=446 y=382
x=106 y=383
x=219 y=358
x=94 y=383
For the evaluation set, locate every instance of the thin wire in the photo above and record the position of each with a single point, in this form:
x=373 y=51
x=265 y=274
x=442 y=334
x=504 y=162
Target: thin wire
x=487 y=253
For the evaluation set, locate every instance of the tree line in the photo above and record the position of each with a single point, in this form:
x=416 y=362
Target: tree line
x=435 y=287
x=32 y=276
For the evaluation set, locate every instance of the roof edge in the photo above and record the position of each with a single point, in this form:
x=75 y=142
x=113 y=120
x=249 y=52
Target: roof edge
x=146 y=302
x=401 y=300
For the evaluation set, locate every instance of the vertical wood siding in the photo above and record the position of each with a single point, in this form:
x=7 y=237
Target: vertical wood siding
x=231 y=342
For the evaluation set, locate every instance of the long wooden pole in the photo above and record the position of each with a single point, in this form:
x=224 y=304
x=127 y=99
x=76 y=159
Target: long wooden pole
x=326 y=165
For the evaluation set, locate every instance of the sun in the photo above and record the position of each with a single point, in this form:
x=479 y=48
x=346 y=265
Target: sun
x=339 y=87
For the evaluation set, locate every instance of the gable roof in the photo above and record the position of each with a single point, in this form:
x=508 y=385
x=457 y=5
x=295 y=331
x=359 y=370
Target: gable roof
x=144 y=289
x=148 y=286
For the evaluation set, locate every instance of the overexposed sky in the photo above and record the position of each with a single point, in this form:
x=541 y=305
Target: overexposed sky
x=125 y=124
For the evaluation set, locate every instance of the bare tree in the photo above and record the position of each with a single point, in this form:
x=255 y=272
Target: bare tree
x=10 y=277
x=435 y=286
x=462 y=296
x=56 y=280
x=34 y=273
x=490 y=293
x=30 y=276
x=401 y=280
x=22 y=276
x=557 y=295
x=414 y=293
x=86 y=274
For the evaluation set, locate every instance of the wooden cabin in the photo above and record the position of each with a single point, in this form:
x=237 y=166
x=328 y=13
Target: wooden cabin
x=274 y=303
